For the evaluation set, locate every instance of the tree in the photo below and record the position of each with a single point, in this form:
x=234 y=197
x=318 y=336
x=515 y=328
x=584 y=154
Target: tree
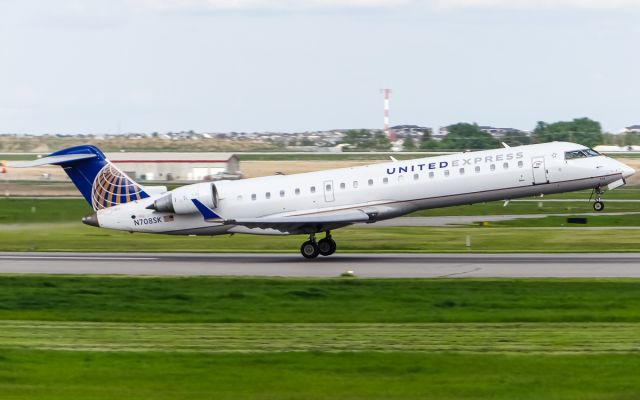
x=465 y=136
x=408 y=144
x=516 y=138
x=364 y=140
x=428 y=143
x=581 y=130
x=306 y=142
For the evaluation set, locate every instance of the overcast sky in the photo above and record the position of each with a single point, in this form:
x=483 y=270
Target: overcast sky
x=94 y=66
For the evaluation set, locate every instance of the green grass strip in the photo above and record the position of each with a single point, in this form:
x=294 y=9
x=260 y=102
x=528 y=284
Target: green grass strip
x=57 y=375
x=547 y=338
x=327 y=301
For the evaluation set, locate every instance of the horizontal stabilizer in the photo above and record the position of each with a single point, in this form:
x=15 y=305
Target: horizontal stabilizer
x=55 y=160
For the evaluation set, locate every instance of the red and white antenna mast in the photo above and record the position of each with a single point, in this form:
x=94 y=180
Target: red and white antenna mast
x=391 y=135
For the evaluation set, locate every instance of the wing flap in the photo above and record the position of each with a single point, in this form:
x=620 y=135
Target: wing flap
x=283 y=221
x=306 y=223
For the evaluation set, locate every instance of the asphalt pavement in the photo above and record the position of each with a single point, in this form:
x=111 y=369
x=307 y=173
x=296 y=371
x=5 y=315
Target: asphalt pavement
x=294 y=265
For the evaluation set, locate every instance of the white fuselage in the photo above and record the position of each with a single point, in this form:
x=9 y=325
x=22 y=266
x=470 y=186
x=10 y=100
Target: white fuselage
x=384 y=190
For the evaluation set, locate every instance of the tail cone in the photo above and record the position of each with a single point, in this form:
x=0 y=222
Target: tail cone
x=91 y=219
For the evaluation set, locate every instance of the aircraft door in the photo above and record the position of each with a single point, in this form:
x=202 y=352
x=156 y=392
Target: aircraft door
x=328 y=191
x=539 y=170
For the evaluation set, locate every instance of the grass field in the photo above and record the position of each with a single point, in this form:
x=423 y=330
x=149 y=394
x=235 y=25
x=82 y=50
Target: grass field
x=50 y=375
x=230 y=338
x=543 y=338
x=77 y=237
x=264 y=300
x=623 y=220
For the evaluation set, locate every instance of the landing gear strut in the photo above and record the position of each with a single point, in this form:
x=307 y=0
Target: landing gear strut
x=598 y=205
x=311 y=248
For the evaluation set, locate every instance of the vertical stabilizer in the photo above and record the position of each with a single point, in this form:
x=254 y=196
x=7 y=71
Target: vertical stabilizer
x=101 y=183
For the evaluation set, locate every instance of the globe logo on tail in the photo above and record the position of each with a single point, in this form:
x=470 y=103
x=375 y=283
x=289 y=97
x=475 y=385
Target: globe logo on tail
x=112 y=187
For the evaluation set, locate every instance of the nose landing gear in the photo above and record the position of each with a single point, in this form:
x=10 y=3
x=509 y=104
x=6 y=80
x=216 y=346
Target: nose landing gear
x=598 y=205
x=325 y=247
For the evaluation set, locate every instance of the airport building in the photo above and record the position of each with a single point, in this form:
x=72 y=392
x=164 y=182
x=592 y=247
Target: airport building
x=177 y=166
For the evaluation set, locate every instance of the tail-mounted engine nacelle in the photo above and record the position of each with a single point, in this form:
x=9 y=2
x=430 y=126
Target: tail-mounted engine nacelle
x=179 y=201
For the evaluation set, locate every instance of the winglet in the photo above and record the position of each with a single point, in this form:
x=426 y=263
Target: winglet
x=206 y=212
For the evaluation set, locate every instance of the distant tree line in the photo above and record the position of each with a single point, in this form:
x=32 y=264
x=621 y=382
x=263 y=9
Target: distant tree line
x=622 y=139
x=366 y=140
x=466 y=136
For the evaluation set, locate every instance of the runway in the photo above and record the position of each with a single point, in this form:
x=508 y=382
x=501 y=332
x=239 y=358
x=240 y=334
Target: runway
x=293 y=265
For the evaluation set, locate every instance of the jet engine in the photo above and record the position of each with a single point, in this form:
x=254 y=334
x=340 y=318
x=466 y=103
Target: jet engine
x=179 y=200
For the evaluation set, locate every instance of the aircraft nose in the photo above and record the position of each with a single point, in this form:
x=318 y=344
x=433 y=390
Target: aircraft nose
x=91 y=219
x=627 y=171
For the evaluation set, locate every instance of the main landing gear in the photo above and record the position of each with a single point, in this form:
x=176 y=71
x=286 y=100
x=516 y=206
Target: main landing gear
x=311 y=248
x=598 y=205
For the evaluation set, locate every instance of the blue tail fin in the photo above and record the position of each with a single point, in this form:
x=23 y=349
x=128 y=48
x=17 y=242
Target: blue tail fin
x=100 y=182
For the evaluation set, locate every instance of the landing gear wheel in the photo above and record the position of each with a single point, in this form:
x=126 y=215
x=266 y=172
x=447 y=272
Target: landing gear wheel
x=327 y=246
x=309 y=249
x=598 y=206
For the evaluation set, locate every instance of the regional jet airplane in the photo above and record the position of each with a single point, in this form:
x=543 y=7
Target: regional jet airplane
x=319 y=202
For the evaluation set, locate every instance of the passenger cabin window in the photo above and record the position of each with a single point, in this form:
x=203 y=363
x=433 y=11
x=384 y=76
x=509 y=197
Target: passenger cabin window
x=570 y=155
x=416 y=177
x=492 y=167
x=370 y=182
x=239 y=198
x=461 y=171
x=385 y=180
x=313 y=189
x=505 y=165
x=253 y=196
x=297 y=191
x=477 y=168
x=520 y=164
x=355 y=184
x=342 y=185
x=267 y=195
x=327 y=187
x=446 y=172
x=282 y=193
x=431 y=174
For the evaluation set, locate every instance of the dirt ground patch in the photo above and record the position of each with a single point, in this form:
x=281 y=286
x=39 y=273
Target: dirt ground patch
x=252 y=169
x=635 y=164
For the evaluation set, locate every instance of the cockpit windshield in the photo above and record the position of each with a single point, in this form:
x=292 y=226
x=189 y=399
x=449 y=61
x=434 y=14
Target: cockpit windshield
x=583 y=153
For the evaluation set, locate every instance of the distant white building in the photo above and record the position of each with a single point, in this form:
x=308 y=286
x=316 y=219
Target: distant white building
x=177 y=166
x=497 y=132
x=615 y=149
x=631 y=129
